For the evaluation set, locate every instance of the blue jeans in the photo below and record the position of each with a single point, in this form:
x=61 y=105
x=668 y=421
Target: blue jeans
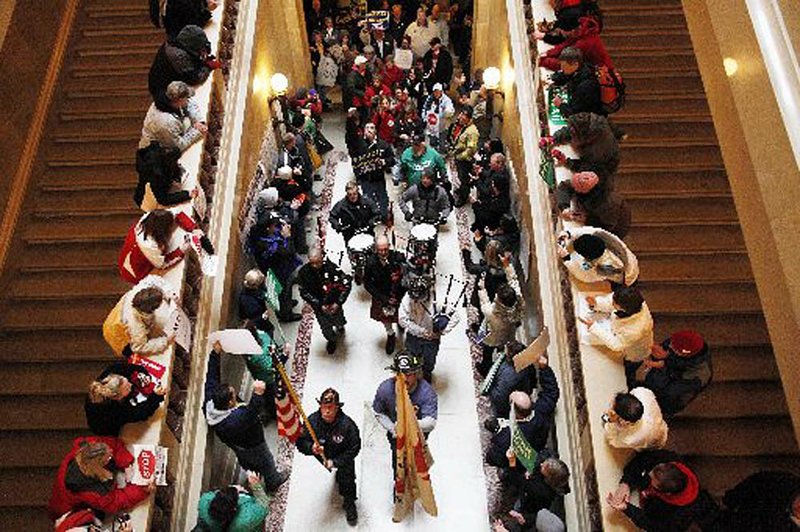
x=427 y=349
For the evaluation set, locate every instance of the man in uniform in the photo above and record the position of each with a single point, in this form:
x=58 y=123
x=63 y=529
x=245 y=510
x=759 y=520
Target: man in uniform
x=339 y=444
x=383 y=279
x=325 y=287
x=355 y=213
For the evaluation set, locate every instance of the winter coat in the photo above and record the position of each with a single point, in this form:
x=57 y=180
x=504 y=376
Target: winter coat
x=442 y=71
x=656 y=515
x=159 y=171
x=238 y=426
x=427 y=204
x=507 y=380
x=261 y=366
x=140 y=255
x=617 y=264
x=172 y=129
x=412 y=166
x=180 y=13
x=601 y=205
x=587 y=39
x=536 y=429
x=178 y=60
x=679 y=381
x=327 y=71
x=416 y=317
x=340 y=439
x=382 y=48
x=583 y=91
x=631 y=336
x=371 y=160
x=251 y=513
x=323 y=286
x=73 y=490
x=148 y=332
x=495 y=276
x=466 y=143
x=437 y=113
x=355 y=85
x=500 y=322
x=537 y=494
x=592 y=138
x=272 y=251
x=384 y=281
x=421 y=37
x=385 y=124
x=648 y=432
x=108 y=418
x=349 y=218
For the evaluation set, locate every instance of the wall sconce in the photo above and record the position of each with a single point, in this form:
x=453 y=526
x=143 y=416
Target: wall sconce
x=279 y=84
x=280 y=110
x=731 y=66
x=491 y=78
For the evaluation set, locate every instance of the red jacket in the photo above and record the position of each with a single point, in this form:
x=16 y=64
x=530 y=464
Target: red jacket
x=587 y=39
x=384 y=121
x=133 y=264
x=118 y=499
x=393 y=75
x=371 y=92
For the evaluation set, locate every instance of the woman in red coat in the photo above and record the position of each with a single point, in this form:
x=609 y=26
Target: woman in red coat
x=85 y=478
x=586 y=37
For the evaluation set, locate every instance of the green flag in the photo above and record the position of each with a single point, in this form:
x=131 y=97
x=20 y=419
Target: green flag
x=547 y=168
x=553 y=112
x=520 y=446
x=273 y=290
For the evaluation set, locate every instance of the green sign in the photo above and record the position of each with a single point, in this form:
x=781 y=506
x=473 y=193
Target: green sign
x=273 y=290
x=522 y=449
x=553 y=112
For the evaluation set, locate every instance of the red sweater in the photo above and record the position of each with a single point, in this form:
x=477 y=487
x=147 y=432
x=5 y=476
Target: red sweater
x=116 y=500
x=587 y=39
x=384 y=121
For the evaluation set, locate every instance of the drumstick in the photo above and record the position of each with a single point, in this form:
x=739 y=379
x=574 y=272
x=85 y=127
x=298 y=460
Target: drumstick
x=434 y=295
x=449 y=287
x=462 y=295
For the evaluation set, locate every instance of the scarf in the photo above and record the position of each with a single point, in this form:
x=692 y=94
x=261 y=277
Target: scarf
x=683 y=498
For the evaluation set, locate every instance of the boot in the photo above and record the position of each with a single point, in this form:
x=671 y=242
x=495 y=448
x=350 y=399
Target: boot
x=391 y=343
x=350 y=511
x=330 y=347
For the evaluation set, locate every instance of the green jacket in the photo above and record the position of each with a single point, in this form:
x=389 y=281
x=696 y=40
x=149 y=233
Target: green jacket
x=253 y=511
x=260 y=366
x=411 y=166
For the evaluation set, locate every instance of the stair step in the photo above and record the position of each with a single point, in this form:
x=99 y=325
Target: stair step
x=33 y=519
x=637 y=155
x=66 y=282
x=29 y=379
x=676 y=28
x=78 y=229
x=657 y=104
x=108 y=92
x=72 y=196
x=739 y=399
x=109 y=30
x=698 y=264
x=103 y=114
x=36 y=449
x=720 y=473
x=732 y=436
x=654 y=209
x=664 y=180
x=727 y=328
x=43 y=413
x=26 y=488
x=743 y=363
x=91 y=212
x=615 y=40
x=664 y=128
x=663 y=81
x=88 y=311
x=625 y=60
x=636 y=6
x=691 y=236
x=101 y=251
x=72 y=346
x=642 y=18
x=99 y=126
x=127 y=137
x=689 y=296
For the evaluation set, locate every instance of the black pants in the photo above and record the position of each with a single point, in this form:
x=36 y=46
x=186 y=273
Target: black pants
x=285 y=297
x=462 y=192
x=346 y=479
x=260 y=460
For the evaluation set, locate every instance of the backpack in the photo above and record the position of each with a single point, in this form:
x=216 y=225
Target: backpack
x=612 y=89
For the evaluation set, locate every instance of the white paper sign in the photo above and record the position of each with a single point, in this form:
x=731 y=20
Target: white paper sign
x=182 y=327
x=149 y=462
x=236 y=342
x=209 y=264
x=404 y=58
x=532 y=353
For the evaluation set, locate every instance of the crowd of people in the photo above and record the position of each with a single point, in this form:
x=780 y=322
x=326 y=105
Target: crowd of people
x=414 y=109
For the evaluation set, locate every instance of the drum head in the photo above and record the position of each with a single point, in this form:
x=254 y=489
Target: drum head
x=361 y=242
x=423 y=232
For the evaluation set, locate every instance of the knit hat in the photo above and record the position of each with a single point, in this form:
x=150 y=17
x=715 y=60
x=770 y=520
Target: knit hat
x=193 y=39
x=269 y=197
x=583 y=182
x=589 y=246
x=329 y=396
x=686 y=343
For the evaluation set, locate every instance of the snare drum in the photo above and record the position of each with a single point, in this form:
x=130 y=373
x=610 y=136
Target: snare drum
x=359 y=248
x=422 y=244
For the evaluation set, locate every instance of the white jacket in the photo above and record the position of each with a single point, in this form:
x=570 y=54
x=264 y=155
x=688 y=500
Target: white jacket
x=617 y=264
x=148 y=332
x=421 y=37
x=650 y=432
x=149 y=247
x=172 y=130
x=416 y=318
x=631 y=336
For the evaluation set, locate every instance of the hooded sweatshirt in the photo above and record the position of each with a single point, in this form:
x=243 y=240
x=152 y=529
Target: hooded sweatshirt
x=587 y=39
x=179 y=60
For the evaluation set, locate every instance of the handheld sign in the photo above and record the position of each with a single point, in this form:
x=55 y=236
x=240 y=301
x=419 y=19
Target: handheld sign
x=236 y=342
x=532 y=353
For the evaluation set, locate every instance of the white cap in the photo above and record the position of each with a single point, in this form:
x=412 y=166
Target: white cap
x=437 y=87
x=285 y=172
x=360 y=60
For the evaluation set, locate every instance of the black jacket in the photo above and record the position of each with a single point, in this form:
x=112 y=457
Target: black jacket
x=349 y=218
x=180 y=13
x=371 y=160
x=178 y=60
x=108 y=418
x=159 y=167
x=236 y=427
x=324 y=285
x=442 y=72
x=656 y=515
x=378 y=277
x=537 y=429
x=583 y=90
x=602 y=206
x=388 y=47
x=340 y=439
x=594 y=141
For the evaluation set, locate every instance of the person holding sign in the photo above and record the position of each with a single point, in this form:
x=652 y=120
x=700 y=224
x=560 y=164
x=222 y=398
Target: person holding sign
x=338 y=443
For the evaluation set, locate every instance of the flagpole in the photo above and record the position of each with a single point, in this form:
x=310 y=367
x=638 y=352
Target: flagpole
x=296 y=401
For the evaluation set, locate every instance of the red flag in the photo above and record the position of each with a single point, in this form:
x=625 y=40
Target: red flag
x=289 y=425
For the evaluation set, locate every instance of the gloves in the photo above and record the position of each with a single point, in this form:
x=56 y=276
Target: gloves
x=408 y=216
x=559 y=156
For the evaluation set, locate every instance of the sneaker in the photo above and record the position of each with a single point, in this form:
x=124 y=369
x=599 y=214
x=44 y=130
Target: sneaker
x=350 y=512
x=391 y=343
x=330 y=347
x=283 y=476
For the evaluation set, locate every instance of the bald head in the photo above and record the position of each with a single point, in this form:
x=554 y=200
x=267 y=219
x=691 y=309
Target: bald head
x=521 y=402
x=382 y=246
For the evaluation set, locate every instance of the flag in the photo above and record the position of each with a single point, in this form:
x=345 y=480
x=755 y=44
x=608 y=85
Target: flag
x=273 y=289
x=412 y=477
x=520 y=446
x=289 y=425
